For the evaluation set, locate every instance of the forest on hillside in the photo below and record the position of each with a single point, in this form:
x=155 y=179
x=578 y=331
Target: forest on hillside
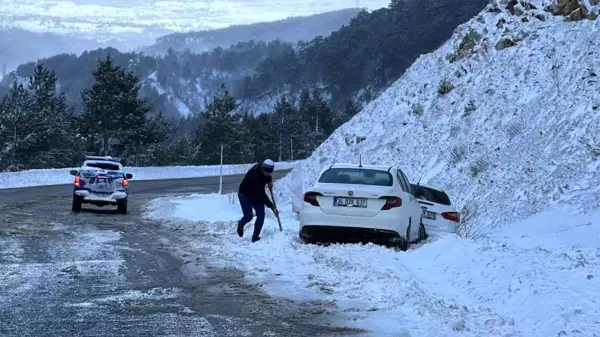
x=290 y=30
x=39 y=130
x=329 y=77
x=358 y=61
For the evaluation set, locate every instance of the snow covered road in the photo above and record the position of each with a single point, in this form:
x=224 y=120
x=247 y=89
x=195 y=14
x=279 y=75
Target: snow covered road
x=99 y=273
x=47 y=177
x=538 y=277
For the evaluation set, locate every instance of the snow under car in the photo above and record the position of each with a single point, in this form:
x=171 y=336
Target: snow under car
x=362 y=203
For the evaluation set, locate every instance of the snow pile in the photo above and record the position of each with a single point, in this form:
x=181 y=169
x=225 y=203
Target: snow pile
x=504 y=115
x=538 y=277
x=61 y=176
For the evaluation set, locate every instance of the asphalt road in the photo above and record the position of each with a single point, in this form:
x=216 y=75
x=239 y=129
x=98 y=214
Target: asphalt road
x=99 y=273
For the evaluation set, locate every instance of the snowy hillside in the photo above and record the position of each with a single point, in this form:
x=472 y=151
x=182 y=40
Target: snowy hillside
x=106 y=19
x=506 y=121
x=504 y=116
x=293 y=29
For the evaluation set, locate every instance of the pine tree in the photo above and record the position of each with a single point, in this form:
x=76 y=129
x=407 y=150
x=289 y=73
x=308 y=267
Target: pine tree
x=52 y=120
x=221 y=126
x=350 y=110
x=153 y=142
x=317 y=114
x=291 y=129
x=15 y=135
x=265 y=137
x=112 y=111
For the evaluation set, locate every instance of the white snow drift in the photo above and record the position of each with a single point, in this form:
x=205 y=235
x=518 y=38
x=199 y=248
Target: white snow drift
x=529 y=279
x=61 y=176
x=509 y=127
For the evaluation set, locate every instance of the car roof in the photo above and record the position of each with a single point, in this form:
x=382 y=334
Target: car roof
x=86 y=162
x=429 y=187
x=365 y=166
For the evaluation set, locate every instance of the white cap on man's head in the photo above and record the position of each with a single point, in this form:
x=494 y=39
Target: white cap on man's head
x=268 y=165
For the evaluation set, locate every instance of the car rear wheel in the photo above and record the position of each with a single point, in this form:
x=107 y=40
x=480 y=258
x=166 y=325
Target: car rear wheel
x=122 y=206
x=422 y=232
x=403 y=243
x=76 y=204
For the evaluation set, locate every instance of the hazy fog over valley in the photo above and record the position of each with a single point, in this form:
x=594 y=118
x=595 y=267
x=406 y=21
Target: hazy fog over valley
x=59 y=26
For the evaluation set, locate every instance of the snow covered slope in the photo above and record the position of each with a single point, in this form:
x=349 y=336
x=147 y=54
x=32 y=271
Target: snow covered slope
x=504 y=116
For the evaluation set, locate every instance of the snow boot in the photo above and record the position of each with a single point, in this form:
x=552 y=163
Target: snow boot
x=240 y=229
x=255 y=238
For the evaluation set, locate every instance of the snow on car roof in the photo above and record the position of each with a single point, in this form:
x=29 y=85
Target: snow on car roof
x=102 y=162
x=371 y=167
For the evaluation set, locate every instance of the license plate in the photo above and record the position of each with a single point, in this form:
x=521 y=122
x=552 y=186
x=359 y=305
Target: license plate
x=102 y=184
x=429 y=215
x=349 y=202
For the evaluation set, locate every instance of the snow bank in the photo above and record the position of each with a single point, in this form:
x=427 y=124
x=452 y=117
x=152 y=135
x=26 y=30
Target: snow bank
x=512 y=128
x=62 y=176
x=537 y=277
x=504 y=116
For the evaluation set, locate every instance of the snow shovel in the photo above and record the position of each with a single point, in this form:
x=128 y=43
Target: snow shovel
x=274 y=204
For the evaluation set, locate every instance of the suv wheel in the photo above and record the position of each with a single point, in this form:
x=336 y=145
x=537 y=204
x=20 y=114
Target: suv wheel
x=122 y=206
x=76 y=205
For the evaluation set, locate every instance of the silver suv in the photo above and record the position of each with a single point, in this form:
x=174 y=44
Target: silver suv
x=101 y=181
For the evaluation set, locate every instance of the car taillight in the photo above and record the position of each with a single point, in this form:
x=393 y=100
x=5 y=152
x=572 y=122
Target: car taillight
x=391 y=202
x=77 y=181
x=311 y=198
x=452 y=216
x=125 y=182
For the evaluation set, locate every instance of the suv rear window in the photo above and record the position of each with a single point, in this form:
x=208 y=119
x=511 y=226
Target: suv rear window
x=356 y=176
x=103 y=166
x=430 y=194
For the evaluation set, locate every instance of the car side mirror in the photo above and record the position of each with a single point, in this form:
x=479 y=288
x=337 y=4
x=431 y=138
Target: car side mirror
x=73 y=172
x=129 y=175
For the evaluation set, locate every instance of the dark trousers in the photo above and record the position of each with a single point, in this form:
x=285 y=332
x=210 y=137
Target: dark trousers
x=247 y=205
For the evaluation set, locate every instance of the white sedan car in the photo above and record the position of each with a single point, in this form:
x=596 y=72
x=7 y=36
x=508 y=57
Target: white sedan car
x=439 y=215
x=362 y=203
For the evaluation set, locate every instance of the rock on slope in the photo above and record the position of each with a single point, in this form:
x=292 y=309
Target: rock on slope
x=504 y=116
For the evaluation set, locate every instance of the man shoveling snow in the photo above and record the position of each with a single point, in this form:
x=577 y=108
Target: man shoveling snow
x=252 y=195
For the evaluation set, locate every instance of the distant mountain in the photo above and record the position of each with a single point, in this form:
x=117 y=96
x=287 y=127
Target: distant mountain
x=140 y=22
x=19 y=46
x=354 y=63
x=288 y=30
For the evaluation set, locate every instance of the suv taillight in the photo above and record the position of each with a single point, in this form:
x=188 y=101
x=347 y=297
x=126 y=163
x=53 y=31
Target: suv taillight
x=125 y=182
x=77 y=182
x=311 y=198
x=452 y=216
x=391 y=202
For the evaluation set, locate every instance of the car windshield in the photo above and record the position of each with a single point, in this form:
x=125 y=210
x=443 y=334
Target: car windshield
x=356 y=176
x=430 y=194
x=103 y=166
